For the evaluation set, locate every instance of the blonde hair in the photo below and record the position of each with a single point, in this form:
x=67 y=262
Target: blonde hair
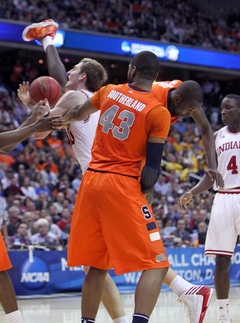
x=96 y=74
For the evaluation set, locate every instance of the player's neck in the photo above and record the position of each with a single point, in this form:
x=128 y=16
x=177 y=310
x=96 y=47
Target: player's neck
x=81 y=87
x=170 y=103
x=234 y=127
x=143 y=84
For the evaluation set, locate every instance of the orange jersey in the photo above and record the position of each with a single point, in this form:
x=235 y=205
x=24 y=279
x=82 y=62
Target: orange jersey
x=5 y=263
x=160 y=91
x=129 y=116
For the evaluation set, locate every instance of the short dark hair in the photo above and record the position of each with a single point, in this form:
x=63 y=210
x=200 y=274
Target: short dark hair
x=234 y=97
x=96 y=74
x=190 y=90
x=19 y=223
x=147 y=65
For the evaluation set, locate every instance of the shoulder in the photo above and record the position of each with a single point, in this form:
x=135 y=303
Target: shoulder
x=74 y=94
x=159 y=112
x=167 y=84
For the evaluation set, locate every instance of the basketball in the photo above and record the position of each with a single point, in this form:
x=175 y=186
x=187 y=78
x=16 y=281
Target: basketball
x=45 y=87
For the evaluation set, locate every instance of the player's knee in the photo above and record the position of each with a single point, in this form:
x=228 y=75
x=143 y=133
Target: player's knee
x=222 y=262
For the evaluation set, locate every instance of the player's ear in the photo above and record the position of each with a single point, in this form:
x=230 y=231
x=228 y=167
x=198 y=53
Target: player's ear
x=82 y=76
x=134 y=70
x=177 y=98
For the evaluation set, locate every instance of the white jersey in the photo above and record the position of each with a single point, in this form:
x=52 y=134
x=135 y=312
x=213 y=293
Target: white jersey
x=228 y=154
x=81 y=135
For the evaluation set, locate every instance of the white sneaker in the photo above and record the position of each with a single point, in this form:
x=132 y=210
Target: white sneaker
x=224 y=319
x=196 y=301
x=40 y=30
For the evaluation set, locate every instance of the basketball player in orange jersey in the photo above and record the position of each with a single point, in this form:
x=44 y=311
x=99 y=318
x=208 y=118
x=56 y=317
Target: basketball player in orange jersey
x=195 y=298
x=112 y=224
x=8 y=140
x=225 y=218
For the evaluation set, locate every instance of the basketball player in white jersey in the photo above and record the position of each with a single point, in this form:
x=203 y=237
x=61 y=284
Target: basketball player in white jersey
x=225 y=215
x=195 y=298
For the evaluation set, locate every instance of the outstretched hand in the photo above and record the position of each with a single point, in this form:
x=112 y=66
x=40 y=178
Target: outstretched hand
x=40 y=109
x=23 y=94
x=46 y=123
x=184 y=200
x=214 y=175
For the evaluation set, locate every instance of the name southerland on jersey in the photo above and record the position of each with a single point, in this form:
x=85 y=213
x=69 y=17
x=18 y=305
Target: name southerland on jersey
x=228 y=154
x=129 y=115
x=81 y=135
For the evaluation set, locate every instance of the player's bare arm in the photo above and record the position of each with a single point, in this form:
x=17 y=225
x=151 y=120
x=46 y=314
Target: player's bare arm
x=64 y=104
x=79 y=112
x=10 y=139
x=203 y=185
x=39 y=109
x=209 y=144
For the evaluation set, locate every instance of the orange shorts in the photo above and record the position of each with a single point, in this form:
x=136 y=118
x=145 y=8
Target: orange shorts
x=113 y=226
x=4 y=260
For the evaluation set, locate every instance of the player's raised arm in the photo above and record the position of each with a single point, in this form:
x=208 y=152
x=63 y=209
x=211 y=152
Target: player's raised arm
x=24 y=96
x=209 y=144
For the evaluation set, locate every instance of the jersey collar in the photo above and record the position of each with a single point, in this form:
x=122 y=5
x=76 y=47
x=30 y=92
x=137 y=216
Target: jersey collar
x=136 y=88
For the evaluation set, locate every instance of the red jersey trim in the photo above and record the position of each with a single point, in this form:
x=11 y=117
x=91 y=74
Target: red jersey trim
x=219 y=252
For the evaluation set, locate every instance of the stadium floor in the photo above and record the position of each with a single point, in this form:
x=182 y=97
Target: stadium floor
x=66 y=309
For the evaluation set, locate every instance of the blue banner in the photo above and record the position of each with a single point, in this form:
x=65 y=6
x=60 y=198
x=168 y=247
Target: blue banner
x=46 y=272
x=123 y=46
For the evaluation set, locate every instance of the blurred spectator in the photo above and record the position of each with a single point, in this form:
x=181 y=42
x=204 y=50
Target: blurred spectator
x=54 y=142
x=77 y=181
x=203 y=217
x=54 y=167
x=202 y=232
x=53 y=212
x=44 y=238
x=14 y=219
x=29 y=218
x=50 y=178
x=194 y=220
x=20 y=239
x=59 y=202
x=20 y=161
x=17 y=74
x=42 y=188
x=43 y=202
x=54 y=228
x=65 y=219
x=157 y=209
x=6 y=181
x=168 y=227
x=161 y=188
x=27 y=190
x=186 y=218
x=181 y=233
x=14 y=189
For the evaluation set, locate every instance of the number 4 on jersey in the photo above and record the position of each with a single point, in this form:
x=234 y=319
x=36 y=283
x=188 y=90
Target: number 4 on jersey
x=232 y=165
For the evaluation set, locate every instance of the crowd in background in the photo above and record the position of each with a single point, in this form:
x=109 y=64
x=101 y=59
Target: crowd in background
x=165 y=21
